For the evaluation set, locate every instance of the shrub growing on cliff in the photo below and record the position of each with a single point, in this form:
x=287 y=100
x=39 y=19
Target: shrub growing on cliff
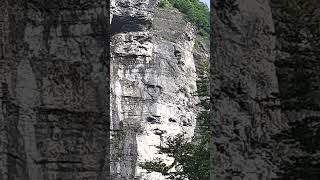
x=190 y=160
x=165 y=4
x=197 y=12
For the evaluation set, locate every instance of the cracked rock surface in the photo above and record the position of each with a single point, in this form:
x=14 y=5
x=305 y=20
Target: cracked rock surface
x=53 y=83
x=244 y=88
x=265 y=93
x=153 y=83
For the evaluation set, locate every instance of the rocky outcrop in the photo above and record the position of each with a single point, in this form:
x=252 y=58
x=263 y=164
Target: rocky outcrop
x=174 y=71
x=55 y=81
x=54 y=85
x=131 y=50
x=244 y=90
x=54 y=113
x=153 y=83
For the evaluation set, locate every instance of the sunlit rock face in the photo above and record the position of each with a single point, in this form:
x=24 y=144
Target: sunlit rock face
x=244 y=91
x=130 y=53
x=153 y=84
x=53 y=83
x=173 y=77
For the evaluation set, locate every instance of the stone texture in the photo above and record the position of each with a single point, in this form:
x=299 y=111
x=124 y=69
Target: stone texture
x=259 y=91
x=53 y=92
x=54 y=85
x=265 y=92
x=244 y=90
x=174 y=71
x=297 y=67
x=153 y=83
x=130 y=53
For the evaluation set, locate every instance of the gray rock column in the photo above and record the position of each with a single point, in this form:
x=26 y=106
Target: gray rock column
x=153 y=83
x=244 y=89
x=54 y=87
x=131 y=51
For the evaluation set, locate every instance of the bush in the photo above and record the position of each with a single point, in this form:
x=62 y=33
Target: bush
x=190 y=160
x=196 y=12
x=165 y=4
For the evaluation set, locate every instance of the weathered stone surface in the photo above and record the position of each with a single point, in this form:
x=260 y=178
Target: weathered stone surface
x=54 y=85
x=130 y=56
x=258 y=94
x=153 y=83
x=297 y=66
x=54 y=89
x=244 y=90
x=174 y=71
x=265 y=89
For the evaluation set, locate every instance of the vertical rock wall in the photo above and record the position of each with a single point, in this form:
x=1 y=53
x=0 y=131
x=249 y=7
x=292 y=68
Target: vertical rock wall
x=54 y=114
x=244 y=90
x=54 y=85
x=131 y=55
x=153 y=83
x=297 y=67
x=173 y=110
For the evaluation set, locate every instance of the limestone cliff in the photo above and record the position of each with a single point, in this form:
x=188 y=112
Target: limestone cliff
x=153 y=84
x=55 y=82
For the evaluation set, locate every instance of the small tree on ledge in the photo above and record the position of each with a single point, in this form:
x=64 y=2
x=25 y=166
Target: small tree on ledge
x=191 y=161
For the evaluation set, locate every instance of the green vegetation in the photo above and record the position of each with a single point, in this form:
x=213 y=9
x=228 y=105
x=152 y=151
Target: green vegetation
x=190 y=160
x=165 y=4
x=203 y=94
x=197 y=12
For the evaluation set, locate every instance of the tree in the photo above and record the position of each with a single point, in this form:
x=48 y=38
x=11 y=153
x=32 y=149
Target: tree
x=165 y=4
x=196 y=12
x=191 y=160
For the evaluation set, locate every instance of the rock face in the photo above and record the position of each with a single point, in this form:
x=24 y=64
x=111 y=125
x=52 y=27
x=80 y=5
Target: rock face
x=54 y=68
x=174 y=71
x=54 y=113
x=131 y=49
x=244 y=90
x=265 y=91
x=297 y=66
x=54 y=87
x=153 y=83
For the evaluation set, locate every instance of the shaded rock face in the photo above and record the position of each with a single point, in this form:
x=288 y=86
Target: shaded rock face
x=153 y=82
x=265 y=92
x=244 y=90
x=53 y=90
x=297 y=66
